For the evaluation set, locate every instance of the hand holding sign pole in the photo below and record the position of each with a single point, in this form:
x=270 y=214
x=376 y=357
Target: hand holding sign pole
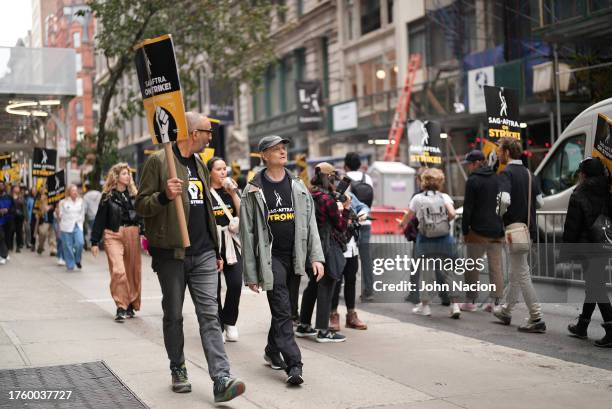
x=163 y=102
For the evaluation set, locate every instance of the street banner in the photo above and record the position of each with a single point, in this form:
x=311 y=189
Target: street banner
x=502 y=112
x=602 y=148
x=161 y=89
x=308 y=105
x=425 y=141
x=163 y=102
x=43 y=162
x=56 y=187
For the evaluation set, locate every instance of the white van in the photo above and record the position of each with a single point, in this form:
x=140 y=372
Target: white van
x=557 y=171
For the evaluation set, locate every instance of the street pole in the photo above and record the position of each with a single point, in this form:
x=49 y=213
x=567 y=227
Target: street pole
x=557 y=87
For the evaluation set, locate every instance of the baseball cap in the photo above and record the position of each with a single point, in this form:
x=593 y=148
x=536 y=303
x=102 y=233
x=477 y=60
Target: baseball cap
x=473 y=156
x=326 y=168
x=269 y=141
x=592 y=167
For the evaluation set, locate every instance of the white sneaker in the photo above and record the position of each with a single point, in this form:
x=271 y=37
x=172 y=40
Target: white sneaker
x=455 y=311
x=2 y=261
x=8 y=257
x=61 y=262
x=421 y=309
x=468 y=306
x=231 y=333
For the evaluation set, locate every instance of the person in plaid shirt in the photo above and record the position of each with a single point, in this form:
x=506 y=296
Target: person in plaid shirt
x=330 y=221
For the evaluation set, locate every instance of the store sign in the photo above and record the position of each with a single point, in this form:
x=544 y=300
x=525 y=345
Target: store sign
x=425 y=141
x=309 y=108
x=477 y=79
x=502 y=112
x=344 y=116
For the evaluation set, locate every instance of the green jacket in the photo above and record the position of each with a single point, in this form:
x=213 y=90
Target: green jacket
x=256 y=237
x=161 y=223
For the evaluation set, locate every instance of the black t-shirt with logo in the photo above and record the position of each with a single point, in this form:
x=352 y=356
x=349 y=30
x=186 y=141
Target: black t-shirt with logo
x=281 y=214
x=199 y=233
x=220 y=217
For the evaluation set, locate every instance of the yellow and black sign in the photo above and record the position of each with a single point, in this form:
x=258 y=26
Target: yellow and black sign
x=602 y=147
x=43 y=162
x=161 y=89
x=56 y=187
x=502 y=112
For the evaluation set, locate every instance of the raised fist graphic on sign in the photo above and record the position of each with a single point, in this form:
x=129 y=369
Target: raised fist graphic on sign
x=162 y=119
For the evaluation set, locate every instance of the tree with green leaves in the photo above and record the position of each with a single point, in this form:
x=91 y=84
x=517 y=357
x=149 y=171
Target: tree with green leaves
x=232 y=39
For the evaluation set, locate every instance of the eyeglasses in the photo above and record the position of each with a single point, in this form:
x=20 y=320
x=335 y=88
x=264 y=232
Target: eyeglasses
x=205 y=130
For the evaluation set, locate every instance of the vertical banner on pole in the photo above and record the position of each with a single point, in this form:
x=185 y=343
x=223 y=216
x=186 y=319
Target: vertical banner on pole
x=163 y=102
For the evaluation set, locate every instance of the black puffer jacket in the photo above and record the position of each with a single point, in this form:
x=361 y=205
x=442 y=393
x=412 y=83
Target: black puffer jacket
x=114 y=212
x=590 y=199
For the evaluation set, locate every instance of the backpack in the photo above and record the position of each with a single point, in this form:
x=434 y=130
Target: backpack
x=433 y=215
x=363 y=191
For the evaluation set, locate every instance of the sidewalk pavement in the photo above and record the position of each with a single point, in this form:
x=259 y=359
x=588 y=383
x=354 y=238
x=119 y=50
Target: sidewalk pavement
x=49 y=316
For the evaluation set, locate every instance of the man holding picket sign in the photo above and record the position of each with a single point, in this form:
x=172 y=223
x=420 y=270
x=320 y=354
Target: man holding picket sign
x=174 y=200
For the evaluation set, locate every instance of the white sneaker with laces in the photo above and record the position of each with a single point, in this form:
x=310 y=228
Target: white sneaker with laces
x=455 y=311
x=231 y=333
x=421 y=309
x=61 y=262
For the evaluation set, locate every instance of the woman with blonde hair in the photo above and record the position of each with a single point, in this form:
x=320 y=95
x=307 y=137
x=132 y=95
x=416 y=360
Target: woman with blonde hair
x=434 y=210
x=71 y=214
x=118 y=222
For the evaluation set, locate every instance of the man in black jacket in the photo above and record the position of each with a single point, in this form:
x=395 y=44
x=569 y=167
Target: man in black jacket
x=517 y=205
x=482 y=227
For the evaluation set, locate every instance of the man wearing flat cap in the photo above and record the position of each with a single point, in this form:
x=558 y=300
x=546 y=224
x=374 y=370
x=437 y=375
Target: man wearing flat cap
x=278 y=232
x=482 y=227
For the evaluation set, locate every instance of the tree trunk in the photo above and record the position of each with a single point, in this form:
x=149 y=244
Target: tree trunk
x=109 y=92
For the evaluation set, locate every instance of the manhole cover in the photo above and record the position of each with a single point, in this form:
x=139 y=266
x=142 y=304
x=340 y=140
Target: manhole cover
x=89 y=385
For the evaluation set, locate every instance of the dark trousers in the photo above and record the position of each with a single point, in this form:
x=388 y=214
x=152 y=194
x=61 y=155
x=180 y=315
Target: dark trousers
x=367 y=277
x=200 y=274
x=596 y=293
x=17 y=232
x=9 y=229
x=228 y=313
x=293 y=283
x=349 y=274
x=32 y=237
x=3 y=247
x=320 y=293
x=280 y=336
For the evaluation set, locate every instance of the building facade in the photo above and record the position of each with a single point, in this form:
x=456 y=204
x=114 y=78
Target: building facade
x=64 y=28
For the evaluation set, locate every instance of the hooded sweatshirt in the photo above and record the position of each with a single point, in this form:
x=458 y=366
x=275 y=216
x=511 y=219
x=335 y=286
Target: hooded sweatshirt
x=479 y=207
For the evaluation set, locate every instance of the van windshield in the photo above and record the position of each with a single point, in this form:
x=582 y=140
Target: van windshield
x=560 y=173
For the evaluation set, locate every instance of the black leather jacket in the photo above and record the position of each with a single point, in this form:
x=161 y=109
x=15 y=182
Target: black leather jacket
x=588 y=201
x=109 y=215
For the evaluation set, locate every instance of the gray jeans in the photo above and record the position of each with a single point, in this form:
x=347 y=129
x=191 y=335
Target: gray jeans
x=519 y=281
x=200 y=274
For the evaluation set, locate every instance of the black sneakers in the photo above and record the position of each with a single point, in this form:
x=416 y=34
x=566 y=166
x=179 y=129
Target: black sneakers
x=275 y=360
x=329 y=336
x=130 y=312
x=79 y=266
x=121 y=315
x=294 y=376
x=180 y=382
x=227 y=388
x=303 y=331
